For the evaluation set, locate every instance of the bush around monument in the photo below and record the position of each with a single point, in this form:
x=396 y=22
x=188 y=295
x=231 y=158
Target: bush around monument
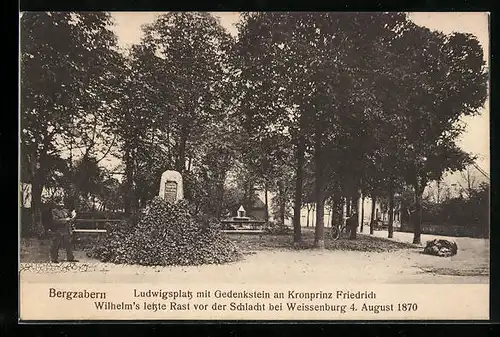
x=167 y=234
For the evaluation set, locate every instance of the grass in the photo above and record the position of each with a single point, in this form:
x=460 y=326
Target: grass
x=363 y=243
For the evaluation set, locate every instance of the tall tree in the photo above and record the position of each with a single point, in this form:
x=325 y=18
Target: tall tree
x=343 y=98
x=194 y=50
x=272 y=82
x=441 y=81
x=63 y=57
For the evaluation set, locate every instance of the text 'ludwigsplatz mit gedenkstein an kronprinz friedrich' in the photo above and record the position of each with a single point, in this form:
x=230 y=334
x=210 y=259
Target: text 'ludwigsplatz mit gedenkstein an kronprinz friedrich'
x=252 y=294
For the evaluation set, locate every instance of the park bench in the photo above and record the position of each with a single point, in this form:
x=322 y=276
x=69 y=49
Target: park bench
x=77 y=228
x=96 y=228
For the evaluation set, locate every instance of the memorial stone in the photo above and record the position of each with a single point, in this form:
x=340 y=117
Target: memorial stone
x=171 y=188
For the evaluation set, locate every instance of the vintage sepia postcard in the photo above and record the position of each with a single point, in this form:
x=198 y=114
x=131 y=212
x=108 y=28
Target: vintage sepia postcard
x=254 y=166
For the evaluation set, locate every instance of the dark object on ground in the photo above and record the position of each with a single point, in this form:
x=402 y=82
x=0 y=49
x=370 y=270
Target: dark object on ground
x=443 y=248
x=168 y=234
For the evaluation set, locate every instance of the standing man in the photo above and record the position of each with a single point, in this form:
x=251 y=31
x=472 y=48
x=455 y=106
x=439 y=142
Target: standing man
x=62 y=223
x=352 y=225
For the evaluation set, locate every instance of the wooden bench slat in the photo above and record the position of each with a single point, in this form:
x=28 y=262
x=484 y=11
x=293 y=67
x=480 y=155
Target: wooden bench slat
x=89 y=231
x=226 y=220
x=97 y=220
x=242 y=231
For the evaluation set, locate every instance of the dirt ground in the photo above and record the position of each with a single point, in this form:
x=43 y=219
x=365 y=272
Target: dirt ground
x=281 y=266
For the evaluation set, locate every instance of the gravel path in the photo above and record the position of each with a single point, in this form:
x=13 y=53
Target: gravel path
x=278 y=267
x=281 y=266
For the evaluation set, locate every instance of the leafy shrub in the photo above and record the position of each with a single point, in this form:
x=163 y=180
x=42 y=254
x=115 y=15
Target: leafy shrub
x=167 y=234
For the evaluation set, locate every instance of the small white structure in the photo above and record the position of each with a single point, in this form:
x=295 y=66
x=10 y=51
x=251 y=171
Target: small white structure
x=171 y=188
x=241 y=214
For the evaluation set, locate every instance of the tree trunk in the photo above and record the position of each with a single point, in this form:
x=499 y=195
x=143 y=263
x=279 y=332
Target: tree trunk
x=391 y=213
x=220 y=199
x=297 y=231
x=282 y=205
x=348 y=206
x=417 y=216
x=180 y=165
x=129 y=178
x=37 y=227
x=355 y=206
x=327 y=220
x=181 y=159
x=334 y=210
x=266 y=212
x=372 y=216
x=362 y=213
x=313 y=208
x=248 y=187
x=21 y=195
x=342 y=210
x=319 y=240
x=169 y=146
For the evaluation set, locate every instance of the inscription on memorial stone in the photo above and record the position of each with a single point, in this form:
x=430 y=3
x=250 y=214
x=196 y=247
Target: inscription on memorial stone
x=170 y=191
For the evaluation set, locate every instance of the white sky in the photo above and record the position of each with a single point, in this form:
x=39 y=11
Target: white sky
x=475 y=139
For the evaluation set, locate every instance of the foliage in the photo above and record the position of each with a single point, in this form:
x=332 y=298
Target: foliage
x=192 y=49
x=233 y=197
x=110 y=194
x=442 y=84
x=167 y=234
x=172 y=110
x=65 y=62
x=307 y=82
x=274 y=228
x=467 y=212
